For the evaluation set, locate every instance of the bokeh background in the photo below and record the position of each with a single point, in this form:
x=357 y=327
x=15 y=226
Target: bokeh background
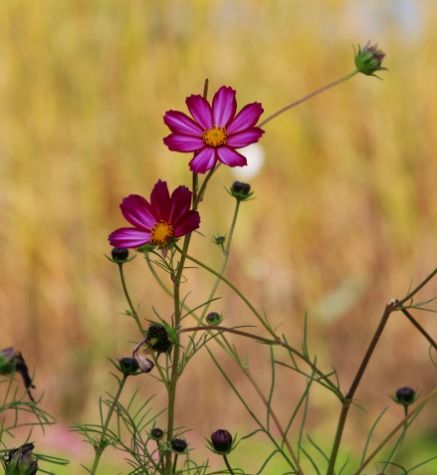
x=344 y=218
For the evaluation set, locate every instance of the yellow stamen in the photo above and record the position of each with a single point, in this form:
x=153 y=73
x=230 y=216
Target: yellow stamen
x=215 y=137
x=161 y=233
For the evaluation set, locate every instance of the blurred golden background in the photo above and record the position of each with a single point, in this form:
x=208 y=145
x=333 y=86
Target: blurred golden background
x=346 y=204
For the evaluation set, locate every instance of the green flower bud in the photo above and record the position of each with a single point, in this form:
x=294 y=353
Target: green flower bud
x=156 y=433
x=368 y=59
x=21 y=461
x=7 y=360
x=157 y=338
x=240 y=191
x=214 y=318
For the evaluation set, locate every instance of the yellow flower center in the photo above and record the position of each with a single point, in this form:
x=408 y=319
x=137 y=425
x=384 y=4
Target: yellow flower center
x=215 y=137
x=161 y=233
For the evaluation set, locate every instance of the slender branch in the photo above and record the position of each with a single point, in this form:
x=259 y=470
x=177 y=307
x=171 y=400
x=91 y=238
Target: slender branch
x=129 y=301
x=237 y=291
x=225 y=260
x=350 y=394
x=267 y=342
x=228 y=465
x=308 y=96
x=392 y=306
x=399 y=426
x=419 y=287
x=101 y=445
x=419 y=327
x=277 y=423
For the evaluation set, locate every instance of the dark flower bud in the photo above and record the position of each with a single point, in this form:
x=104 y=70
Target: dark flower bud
x=7 y=360
x=178 y=445
x=221 y=440
x=119 y=254
x=240 y=190
x=10 y=361
x=128 y=366
x=157 y=338
x=368 y=59
x=219 y=239
x=214 y=318
x=21 y=461
x=156 y=433
x=405 y=396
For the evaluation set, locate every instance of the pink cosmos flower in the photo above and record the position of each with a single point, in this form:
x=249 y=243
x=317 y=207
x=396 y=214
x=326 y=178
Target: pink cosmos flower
x=214 y=132
x=157 y=221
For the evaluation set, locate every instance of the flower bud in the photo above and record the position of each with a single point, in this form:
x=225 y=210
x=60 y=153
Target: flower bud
x=119 y=254
x=405 y=396
x=7 y=360
x=156 y=433
x=214 y=318
x=241 y=191
x=221 y=441
x=144 y=363
x=179 y=445
x=157 y=338
x=21 y=461
x=128 y=366
x=368 y=59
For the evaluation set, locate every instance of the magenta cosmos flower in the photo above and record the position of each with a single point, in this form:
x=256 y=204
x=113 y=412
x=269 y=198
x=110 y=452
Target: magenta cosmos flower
x=214 y=132
x=164 y=218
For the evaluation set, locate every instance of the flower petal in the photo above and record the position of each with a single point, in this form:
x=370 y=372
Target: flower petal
x=160 y=201
x=188 y=222
x=230 y=157
x=200 y=110
x=246 y=118
x=182 y=124
x=128 y=238
x=246 y=137
x=224 y=106
x=204 y=160
x=138 y=212
x=180 y=203
x=183 y=143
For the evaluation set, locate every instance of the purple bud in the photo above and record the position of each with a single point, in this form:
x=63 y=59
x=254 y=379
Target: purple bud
x=221 y=440
x=178 y=445
x=405 y=396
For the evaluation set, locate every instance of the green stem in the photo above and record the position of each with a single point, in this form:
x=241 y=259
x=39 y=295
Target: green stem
x=308 y=96
x=129 y=301
x=100 y=447
x=225 y=260
x=228 y=465
x=267 y=342
x=175 y=463
x=238 y=292
x=399 y=426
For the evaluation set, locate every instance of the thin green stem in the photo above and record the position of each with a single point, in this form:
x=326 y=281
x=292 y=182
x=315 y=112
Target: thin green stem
x=101 y=445
x=399 y=426
x=237 y=291
x=228 y=465
x=225 y=260
x=129 y=301
x=308 y=96
x=267 y=342
x=175 y=464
